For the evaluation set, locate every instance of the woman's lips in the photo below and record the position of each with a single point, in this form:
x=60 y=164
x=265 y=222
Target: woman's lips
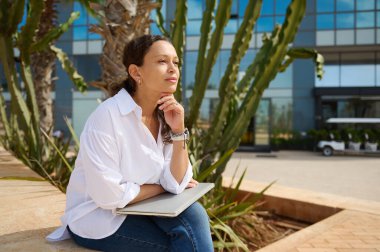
x=172 y=80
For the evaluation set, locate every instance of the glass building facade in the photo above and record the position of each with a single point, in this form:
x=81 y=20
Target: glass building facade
x=346 y=32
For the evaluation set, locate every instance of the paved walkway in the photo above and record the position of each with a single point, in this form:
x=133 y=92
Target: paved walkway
x=351 y=183
x=349 y=176
x=31 y=209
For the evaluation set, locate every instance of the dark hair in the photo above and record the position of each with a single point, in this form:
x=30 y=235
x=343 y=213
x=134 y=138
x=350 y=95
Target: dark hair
x=134 y=53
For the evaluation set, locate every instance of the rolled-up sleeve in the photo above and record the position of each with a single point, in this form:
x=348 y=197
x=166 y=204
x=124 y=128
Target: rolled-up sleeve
x=167 y=180
x=104 y=181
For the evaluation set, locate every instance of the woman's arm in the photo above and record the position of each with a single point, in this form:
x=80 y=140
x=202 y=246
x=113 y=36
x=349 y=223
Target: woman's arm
x=147 y=191
x=180 y=159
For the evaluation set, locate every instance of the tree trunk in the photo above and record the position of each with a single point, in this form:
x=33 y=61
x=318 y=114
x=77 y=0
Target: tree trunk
x=42 y=65
x=123 y=21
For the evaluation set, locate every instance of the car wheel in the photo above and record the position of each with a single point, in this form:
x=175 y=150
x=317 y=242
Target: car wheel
x=327 y=151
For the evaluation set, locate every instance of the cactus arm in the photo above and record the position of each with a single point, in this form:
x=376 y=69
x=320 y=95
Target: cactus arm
x=227 y=85
x=160 y=20
x=67 y=65
x=178 y=38
x=28 y=32
x=4 y=121
x=305 y=53
x=268 y=70
x=54 y=34
x=16 y=13
x=221 y=20
x=18 y=105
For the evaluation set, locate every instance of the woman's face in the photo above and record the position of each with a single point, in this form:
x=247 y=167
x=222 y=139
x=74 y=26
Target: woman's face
x=159 y=72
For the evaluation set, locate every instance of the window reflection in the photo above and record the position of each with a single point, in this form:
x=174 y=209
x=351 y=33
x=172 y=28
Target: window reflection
x=265 y=24
x=345 y=5
x=365 y=19
x=242 y=7
x=194 y=9
x=365 y=5
x=325 y=6
x=80 y=32
x=190 y=65
x=231 y=26
x=325 y=21
x=345 y=21
x=193 y=27
x=267 y=7
x=281 y=6
x=330 y=77
x=358 y=75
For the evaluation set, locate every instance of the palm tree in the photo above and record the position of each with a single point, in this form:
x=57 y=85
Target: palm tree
x=120 y=22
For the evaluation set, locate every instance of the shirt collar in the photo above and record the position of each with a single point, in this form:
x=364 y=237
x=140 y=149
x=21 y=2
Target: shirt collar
x=126 y=103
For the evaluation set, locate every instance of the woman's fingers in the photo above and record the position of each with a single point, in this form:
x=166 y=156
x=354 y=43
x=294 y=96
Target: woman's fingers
x=192 y=183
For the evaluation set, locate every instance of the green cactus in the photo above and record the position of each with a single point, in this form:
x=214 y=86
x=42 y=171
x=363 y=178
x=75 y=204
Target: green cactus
x=22 y=133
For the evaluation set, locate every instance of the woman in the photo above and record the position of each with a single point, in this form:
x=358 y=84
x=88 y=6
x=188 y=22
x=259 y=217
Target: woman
x=133 y=148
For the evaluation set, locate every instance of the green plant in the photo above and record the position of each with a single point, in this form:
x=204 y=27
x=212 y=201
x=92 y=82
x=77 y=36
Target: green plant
x=22 y=133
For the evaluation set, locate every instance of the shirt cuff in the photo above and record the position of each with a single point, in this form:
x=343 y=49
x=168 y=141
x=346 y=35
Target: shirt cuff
x=170 y=184
x=131 y=191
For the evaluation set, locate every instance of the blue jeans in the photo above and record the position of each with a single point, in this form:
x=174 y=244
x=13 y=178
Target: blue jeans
x=189 y=231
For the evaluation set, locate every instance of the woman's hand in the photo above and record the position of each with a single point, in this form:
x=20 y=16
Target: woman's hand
x=173 y=111
x=192 y=183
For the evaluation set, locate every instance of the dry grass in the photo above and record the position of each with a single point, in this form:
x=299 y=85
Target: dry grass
x=259 y=229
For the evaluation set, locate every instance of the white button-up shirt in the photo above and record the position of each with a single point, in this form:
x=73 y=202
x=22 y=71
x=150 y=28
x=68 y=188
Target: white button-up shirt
x=117 y=155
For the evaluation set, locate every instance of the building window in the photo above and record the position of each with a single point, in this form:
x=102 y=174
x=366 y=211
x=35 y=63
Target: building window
x=365 y=19
x=345 y=21
x=365 y=5
x=325 y=5
x=345 y=5
x=81 y=25
x=325 y=21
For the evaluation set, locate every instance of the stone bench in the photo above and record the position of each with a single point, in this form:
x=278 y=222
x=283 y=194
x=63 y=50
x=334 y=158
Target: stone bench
x=29 y=210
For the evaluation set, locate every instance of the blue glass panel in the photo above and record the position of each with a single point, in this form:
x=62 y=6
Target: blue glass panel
x=190 y=64
x=247 y=60
x=231 y=26
x=267 y=7
x=358 y=75
x=94 y=36
x=365 y=5
x=378 y=5
x=193 y=27
x=281 y=6
x=242 y=7
x=365 y=19
x=330 y=77
x=92 y=20
x=154 y=29
x=325 y=21
x=80 y=32
x=224 y=57
x=194 y=9
x=279 y=19
x=23 y=21
x=215 y=75
x=378 y=19
x=82 y=20
x=284 y=79
x=234 y=7
x=345 y=20
x=378 y=75
x=325 y=6
x=345 y=5
x=265 y=24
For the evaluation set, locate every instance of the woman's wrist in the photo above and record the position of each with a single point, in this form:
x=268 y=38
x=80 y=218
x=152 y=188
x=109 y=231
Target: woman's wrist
x=178 y=130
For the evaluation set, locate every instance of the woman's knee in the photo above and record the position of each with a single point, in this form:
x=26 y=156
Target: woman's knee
x=196 y=213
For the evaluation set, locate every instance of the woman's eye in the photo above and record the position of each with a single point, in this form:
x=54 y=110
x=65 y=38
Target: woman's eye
x=176 y=63
x=162 y=61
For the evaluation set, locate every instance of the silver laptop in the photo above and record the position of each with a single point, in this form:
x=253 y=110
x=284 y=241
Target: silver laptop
x=167 y=204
